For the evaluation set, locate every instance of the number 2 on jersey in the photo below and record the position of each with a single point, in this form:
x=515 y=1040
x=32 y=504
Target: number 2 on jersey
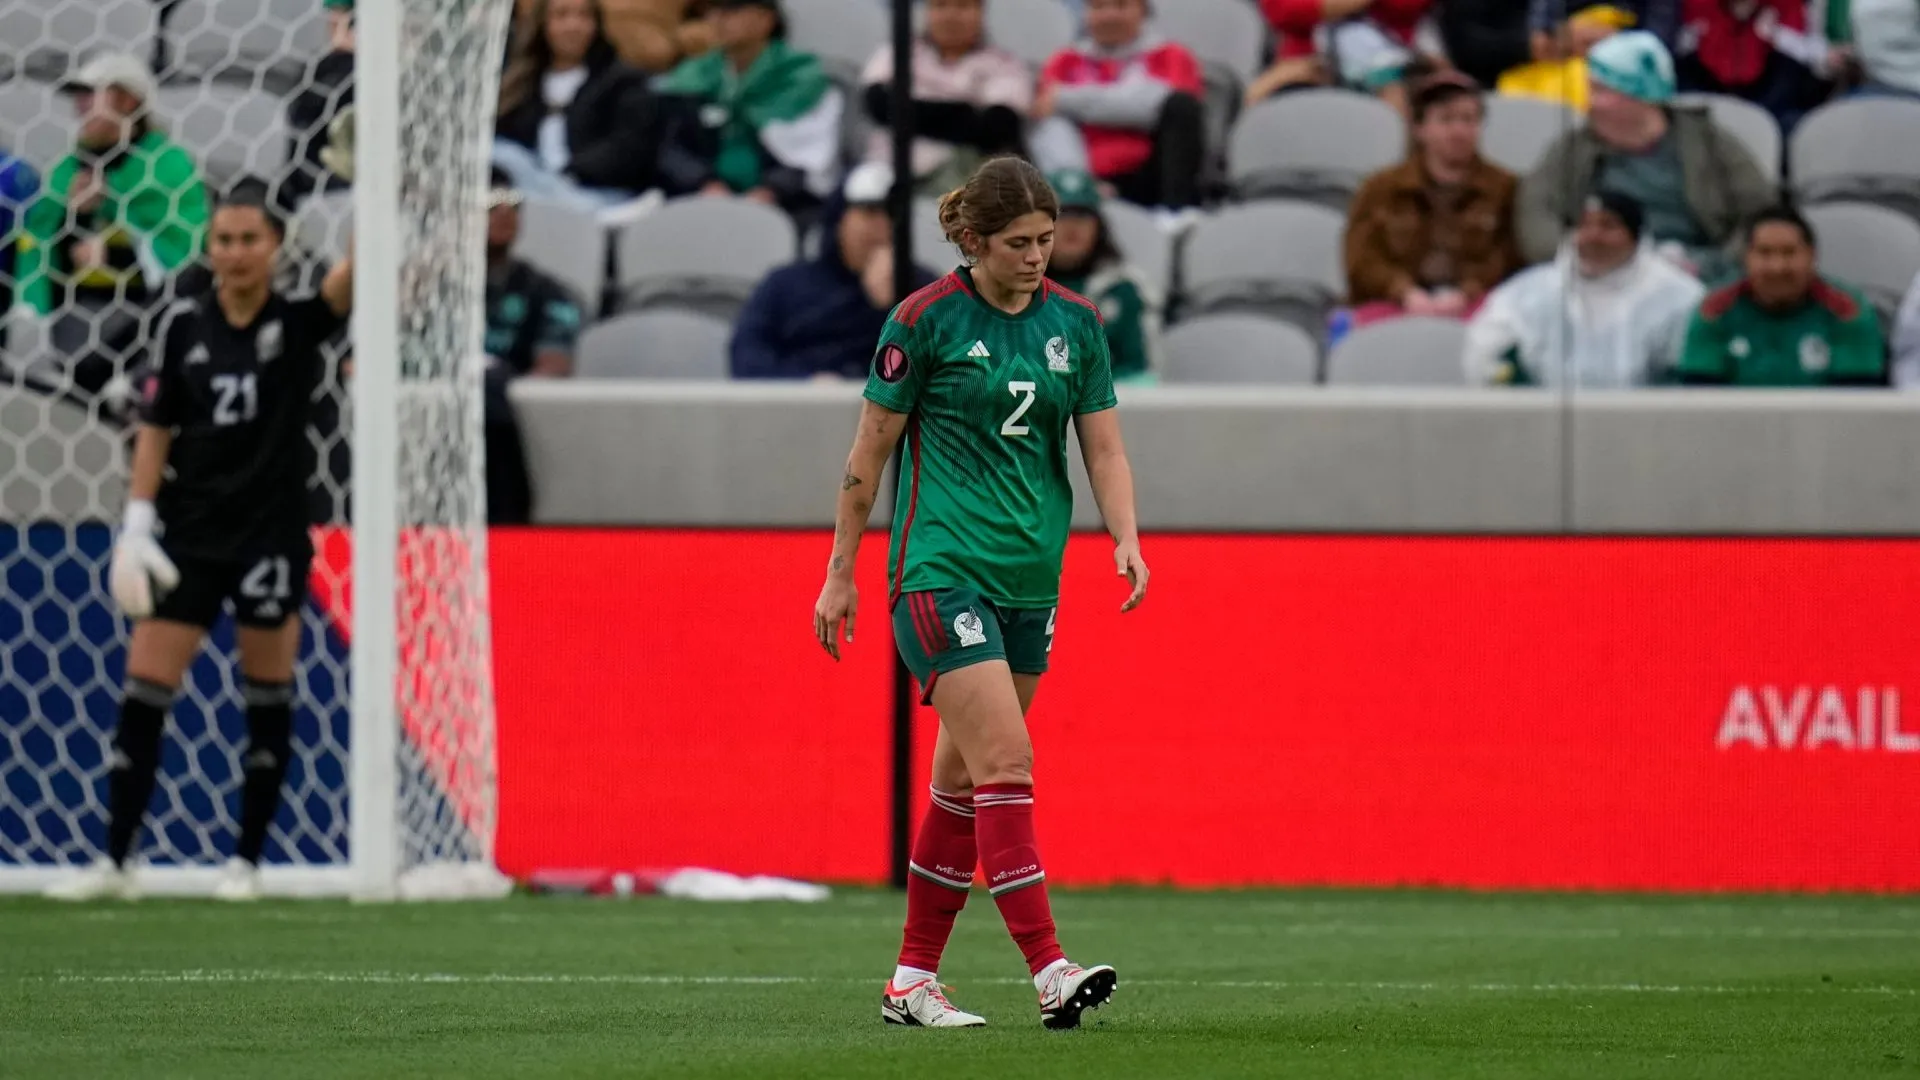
x=1013 y=426
x=239 y=399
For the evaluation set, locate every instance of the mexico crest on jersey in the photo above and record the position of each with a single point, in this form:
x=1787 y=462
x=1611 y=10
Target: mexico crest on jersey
x=1058 y=359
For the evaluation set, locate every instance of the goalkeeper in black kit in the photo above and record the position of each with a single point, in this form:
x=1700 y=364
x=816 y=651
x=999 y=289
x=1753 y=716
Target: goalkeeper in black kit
x=217 y=516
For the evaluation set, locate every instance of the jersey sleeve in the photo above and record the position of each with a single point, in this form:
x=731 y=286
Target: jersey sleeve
x=161 y=393
x=316 y=319
x=901 y=365
x=1096 y=375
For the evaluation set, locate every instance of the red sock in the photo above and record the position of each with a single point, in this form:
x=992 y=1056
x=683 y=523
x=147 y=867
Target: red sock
x=1004 y=823
x=938 y=877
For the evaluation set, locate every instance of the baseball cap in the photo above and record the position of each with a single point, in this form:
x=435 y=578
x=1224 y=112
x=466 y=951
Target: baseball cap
x=1077 y=190
x=124 y=70
x=1625 y=207
x=500 y=189
x=869 y=184
x=337 y=5
x=780 y=16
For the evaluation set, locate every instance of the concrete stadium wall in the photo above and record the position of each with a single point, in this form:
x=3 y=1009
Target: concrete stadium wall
x=1313 y=460
x=1206 y=459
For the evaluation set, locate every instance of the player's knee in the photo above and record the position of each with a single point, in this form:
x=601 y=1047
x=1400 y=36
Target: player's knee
x=1012 y=764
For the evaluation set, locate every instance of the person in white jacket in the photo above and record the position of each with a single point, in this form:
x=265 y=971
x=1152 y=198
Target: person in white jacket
x=1607 y=313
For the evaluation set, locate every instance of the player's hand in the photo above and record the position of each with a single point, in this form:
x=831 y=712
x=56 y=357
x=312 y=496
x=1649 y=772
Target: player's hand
x=839 y=600
x=139 y=572
x=1128 y=564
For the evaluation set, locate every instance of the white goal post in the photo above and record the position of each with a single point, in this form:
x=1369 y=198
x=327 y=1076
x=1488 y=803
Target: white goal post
x=392 y=793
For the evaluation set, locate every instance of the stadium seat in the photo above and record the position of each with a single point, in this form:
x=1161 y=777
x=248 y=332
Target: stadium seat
x=1239 y=349
x=46 y=39
x=568 y=243
x=1226 y=33
x=1861 y=149
x=844 y=34
x=36 y=123
x=930 y=246
x=666 y=343
x=268 y=43
x=1870 y=247
x=1416 y=350
x=1519 y=130
x=702 y=252
x=1032 y=30
x=1313 y=144
x=1139 y=236
x=1754 y=126
x=1275 y=258
x=229 y=131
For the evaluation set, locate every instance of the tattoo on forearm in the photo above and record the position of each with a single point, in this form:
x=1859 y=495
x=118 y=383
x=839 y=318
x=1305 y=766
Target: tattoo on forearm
x=850 y=482
x=839 y=563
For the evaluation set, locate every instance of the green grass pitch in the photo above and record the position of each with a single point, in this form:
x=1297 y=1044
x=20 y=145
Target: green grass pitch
x=1236 y=984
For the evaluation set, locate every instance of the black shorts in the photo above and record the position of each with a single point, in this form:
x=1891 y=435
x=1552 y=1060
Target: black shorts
x=265 y=590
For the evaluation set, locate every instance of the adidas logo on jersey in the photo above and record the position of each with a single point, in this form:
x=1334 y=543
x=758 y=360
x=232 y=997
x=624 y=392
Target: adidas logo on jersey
x=197 y=355
x=980 y=351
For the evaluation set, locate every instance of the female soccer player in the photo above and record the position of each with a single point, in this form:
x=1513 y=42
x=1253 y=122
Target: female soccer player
x=225 y=414
x=981 y=372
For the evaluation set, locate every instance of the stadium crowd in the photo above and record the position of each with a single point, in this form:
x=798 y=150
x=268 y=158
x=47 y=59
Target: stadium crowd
x=1593 y=195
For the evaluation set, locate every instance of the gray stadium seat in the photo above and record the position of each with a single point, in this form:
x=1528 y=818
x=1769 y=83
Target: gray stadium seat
x=1518 y=130
x=702 y=252
x=1754 y=126
x=1032 y=30
x=930 y=246
x=1227 y=33
x=48 y=38
x=1412 y=351
x=1138 y=235
x=36 y=122
x=666 y=343
x=844 y=34
x=1239 y=349
x=269 y=42
x=1313 y=144
x=1859 y=148
x=230 y=132
x=1276 y=258
x=1870 y=247
x=568 y=243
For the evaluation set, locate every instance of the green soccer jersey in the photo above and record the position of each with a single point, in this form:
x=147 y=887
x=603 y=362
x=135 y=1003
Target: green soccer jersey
x=984 y=499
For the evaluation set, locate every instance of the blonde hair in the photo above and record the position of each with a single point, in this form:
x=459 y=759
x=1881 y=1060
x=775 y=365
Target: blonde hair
x=998 y=193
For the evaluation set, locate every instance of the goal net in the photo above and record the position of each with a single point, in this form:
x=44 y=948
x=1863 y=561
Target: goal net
x=392 y=790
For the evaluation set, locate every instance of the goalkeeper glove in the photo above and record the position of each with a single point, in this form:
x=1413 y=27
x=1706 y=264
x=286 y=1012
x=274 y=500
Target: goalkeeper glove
x=140 y=571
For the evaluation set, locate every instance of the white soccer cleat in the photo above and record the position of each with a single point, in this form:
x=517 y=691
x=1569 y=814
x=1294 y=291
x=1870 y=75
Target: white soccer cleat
x=923 y=1004
x=101 y=881
x=239 y=882
x=1067 y=990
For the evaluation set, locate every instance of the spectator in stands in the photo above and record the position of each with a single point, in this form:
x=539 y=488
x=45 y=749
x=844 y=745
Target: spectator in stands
x=327 y=92
x=1883 y=38
x=1432 y=235
x=654 y=35
x=1608 y=313
x=1562 y=76
x=1485 y=38
x=1557 y=35
x=1906 y=340
x=819 y=318
x=970 y=99
x=1783 y=324
x=116 y=217
x=1696 y=182
x=1133 y=99
x=1760 y=50
x=533 y=322
x=1086 y=261
x=1303 y=27
x=1359 y=56
x=576 y=124
x=753 y=116
x=18 y=183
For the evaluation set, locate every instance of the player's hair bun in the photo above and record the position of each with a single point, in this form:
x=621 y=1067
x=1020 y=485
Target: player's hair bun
x=953 y=215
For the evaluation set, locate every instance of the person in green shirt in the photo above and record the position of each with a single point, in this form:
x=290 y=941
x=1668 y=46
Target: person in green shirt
x=1086 y=261
x=1782 y=324
x=754 y=116
x=114 y=220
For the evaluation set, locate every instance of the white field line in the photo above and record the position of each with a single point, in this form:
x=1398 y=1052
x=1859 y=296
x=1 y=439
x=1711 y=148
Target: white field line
x=402 y=978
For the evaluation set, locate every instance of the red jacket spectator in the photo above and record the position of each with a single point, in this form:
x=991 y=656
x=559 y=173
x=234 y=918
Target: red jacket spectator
x=1733 y=40
x=1155 y=65
x=1294 y=21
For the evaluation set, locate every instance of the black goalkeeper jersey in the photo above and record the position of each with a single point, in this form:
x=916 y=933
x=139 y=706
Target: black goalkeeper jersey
x=237 y=399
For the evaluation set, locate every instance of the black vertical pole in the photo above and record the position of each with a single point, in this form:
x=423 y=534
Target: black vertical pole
x=901 y=206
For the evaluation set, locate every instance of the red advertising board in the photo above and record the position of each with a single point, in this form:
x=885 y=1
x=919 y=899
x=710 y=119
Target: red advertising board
x=1554 y=713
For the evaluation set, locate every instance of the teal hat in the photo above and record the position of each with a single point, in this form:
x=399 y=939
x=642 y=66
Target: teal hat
x=1077 y=190
x=1634 y=63
x=338 y=5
